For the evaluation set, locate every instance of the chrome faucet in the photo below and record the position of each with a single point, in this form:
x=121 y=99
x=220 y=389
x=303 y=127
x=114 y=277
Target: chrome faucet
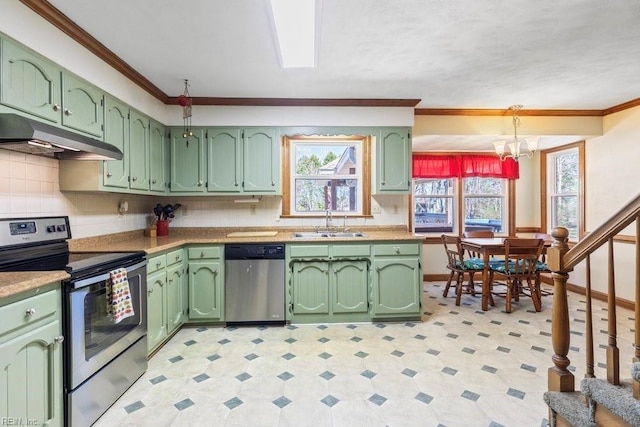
x=328 y=220
x=344 y=225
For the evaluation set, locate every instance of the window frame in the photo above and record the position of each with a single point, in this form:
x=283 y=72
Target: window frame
x=288 y=176
x=545 y=163
x=508 y=208
x=454 y=202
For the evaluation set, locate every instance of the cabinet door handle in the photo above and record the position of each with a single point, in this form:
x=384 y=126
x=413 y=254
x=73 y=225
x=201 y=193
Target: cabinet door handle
x=31 y=312
x=68 y=112
x=59 y=339
x=109 y=174
x=396 y=249
x=199 y=183
x=158 y=264
x=56 y=107
x=236 y=183
x=170 y=281
x=383 y=182
x=134 y=179
x=273 y=184
x=150 y=291
x=202 y=254
x=377 y=269
x=153 y=181
x=177 y=257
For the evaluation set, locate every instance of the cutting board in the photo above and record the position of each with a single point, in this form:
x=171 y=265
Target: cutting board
x=252 y=234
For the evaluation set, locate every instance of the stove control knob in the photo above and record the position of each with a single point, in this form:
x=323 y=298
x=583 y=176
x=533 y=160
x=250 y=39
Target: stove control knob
x=31 y=312
x=61 y=228
x=51 y=228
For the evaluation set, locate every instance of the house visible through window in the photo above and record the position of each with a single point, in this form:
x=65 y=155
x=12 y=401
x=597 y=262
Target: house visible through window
x=326 y=174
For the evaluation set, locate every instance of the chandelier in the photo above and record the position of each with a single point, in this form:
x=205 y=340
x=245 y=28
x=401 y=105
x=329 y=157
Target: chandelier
x=185 y=102
x=516 y=148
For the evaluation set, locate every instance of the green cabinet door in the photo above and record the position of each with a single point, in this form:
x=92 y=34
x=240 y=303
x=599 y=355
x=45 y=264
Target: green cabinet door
x=157 y=158
x=29 y=82
x=310 y=287
x=350 y=281
x=31 y=376
x=138 y=151
x=205 y=290
x=396 y=286
x=187 y=163
x=82 y=106
x=156 y=309
x=393 y=165
x=224 y=160
x=115 y=173
x=174 y=297
x=261 y=156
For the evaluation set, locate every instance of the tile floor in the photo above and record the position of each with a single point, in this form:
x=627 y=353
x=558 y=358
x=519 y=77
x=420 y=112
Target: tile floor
x=459 y=367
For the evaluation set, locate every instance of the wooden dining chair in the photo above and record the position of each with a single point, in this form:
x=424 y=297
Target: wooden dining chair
x=458 y=266
x=475 y=256
x=520 y=269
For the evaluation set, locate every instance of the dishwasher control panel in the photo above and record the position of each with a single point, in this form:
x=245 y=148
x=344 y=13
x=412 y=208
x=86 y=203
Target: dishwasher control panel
x=254 y=251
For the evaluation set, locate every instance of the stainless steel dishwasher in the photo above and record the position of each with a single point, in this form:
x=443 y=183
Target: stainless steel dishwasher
x=254 y=283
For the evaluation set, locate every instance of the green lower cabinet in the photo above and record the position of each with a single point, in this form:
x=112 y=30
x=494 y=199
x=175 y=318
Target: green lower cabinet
x=31 y=361
x=310 y=294
x=156 y=309
x=349 y=287
x=396 y=286
x=205 y=290
x=175 y=294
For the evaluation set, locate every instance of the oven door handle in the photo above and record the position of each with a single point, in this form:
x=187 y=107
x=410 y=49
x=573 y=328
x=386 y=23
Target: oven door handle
x=97 y=279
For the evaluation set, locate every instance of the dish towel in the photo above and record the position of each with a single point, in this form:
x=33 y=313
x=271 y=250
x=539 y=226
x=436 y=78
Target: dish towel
x=119 y=304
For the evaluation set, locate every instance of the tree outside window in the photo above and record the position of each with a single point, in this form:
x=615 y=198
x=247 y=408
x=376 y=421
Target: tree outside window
x=563 y=170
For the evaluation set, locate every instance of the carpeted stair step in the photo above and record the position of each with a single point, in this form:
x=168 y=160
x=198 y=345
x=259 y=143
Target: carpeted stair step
x=617 y=399
x=571 y=406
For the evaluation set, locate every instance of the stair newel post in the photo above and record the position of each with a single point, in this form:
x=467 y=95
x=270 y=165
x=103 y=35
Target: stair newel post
x=559 y=377
x=613 y=352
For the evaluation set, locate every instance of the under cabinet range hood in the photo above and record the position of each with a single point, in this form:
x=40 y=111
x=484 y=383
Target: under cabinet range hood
x=22 y=134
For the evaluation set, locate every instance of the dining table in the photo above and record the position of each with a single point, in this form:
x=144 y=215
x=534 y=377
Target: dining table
x=487 y=247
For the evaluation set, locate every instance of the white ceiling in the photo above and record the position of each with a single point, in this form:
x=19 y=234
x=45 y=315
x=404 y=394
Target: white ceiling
x=544 y=54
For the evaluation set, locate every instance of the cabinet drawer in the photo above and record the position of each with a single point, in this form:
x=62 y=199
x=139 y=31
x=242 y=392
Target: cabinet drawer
x=309 y=251
x=29 y=310
x=175 y=257
x=205 y=253
x=351 y=251
x=156 y=263
x=397 y=249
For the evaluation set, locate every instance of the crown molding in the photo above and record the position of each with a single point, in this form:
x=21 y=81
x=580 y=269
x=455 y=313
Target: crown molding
x=299 y=102
x=505 y=112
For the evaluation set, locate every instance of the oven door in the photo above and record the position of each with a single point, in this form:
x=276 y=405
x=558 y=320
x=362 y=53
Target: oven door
x=94 y=339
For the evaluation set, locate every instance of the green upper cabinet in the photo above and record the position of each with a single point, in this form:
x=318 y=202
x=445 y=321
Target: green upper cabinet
x=393 y=161
x=138 y=151
x=157 y=158
x=115 y=173
x=243 y=161
x=261 y=161
x=82 y=106
x=29 y=83
x=224 y=162
x=187 y=162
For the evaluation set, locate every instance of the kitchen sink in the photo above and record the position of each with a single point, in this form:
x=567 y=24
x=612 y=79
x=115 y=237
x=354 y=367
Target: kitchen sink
x=314 y=234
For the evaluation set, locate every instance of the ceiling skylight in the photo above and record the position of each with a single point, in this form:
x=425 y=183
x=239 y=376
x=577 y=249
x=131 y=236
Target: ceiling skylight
x=295 y=27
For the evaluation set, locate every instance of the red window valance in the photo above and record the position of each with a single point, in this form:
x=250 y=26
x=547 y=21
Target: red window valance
x=464 y=165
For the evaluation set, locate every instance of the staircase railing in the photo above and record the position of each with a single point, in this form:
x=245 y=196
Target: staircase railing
x=561 y=260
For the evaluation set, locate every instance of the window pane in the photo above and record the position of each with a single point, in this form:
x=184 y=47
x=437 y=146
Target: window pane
x=433 y=214
x=435 y=187
x=564 y=211
x=483 y=213
x=566 y=173
x=313 y=159
x=483 y=186
x=318 y=195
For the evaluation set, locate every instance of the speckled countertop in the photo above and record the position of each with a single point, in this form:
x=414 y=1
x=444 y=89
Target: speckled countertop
x=136 y=241
x=13 y=283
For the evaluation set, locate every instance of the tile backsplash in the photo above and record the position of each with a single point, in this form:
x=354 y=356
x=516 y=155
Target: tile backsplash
x=29 y=187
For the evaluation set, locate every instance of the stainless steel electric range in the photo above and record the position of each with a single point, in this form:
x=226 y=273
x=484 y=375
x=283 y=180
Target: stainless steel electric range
x=102 y=358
